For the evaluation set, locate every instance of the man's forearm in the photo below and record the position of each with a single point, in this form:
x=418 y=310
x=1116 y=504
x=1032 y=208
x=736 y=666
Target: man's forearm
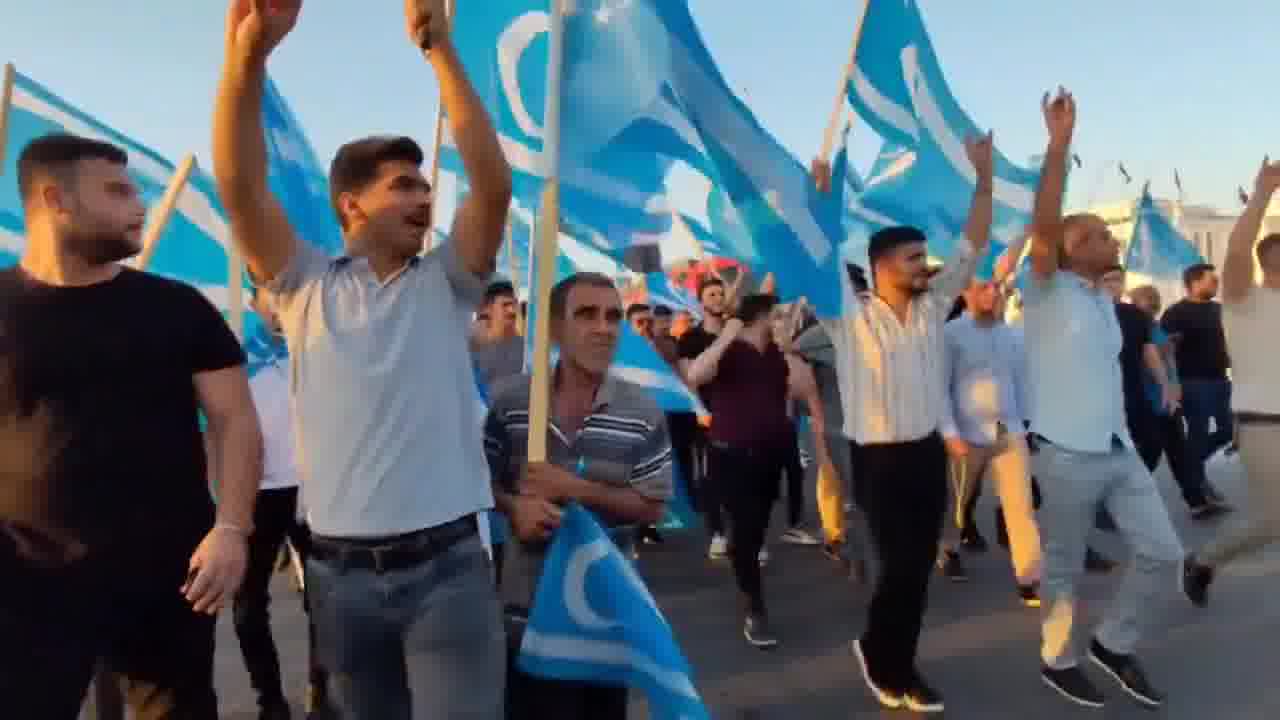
x=1046 y=219
x=238 y=446
x=239 y=143
x=488 y=174
x=623 y=504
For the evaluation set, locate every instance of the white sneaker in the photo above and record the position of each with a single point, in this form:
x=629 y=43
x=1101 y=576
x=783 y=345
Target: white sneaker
x=719 y=549
x=799 y=536
x=763 y=557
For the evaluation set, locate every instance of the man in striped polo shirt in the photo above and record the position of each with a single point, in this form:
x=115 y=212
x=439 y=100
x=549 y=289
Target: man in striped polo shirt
x=607 y=449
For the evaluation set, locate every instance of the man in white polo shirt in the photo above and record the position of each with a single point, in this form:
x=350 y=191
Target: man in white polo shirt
x=407 y=620
x=1249 y=314
x=1085 y=454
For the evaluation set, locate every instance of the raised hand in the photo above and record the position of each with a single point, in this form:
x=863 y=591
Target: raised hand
x=1268 y=180
x=820 y=170
x=427 y=22
x=256 y=27
x=980 y=151
x=1059 y=117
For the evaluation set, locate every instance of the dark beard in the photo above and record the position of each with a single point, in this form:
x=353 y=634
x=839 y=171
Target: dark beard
x=101 y=247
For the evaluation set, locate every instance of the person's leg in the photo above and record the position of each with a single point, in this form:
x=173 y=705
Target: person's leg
x=357 y=644
x=1010 y=473
x=964 y=478
x=831 y=493
x=1224 y=423
x=108 y=700
x=716 y=482
x=273 y=518
x=454 y=645
x=1198 y=407
x=1187 y=472
x=165 y=659
x=1260 y=526
x=1141 y=516
x=750 y=504
x=317 y=699
x=792 y=468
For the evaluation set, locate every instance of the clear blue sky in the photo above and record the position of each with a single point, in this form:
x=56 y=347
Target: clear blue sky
x=1178 y=83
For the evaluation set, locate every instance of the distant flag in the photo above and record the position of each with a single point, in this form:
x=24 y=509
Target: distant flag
x=1124 y=173
x=295 y=175
x=1177 y=180
x=1075 y=157
x=1157 y=250
x=1244 y=196
x=594 y=620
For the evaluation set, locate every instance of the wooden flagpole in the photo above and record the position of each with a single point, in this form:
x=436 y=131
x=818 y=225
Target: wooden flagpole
x=548 y=247
x=833 y=124
x=161 y=213
x=429 y=240
x=6 y=100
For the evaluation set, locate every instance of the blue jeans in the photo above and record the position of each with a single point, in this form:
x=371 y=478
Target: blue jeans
x=1201 y=400
x=421 y=643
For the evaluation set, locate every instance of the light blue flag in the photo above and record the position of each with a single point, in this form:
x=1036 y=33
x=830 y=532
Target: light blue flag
x=1157 y=250
x=594 y=620
x=638 y=362
x=898 y=88
x=192 y=247
x=662 y=292
x=295 y=175
x=680 y=514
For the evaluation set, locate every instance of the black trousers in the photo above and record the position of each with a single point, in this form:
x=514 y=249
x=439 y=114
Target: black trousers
x=906 y=498
x=1157 y=435
x=746 y=481
x=529 y=697
x=793 y=469
x=274 y=522
x=58 y=625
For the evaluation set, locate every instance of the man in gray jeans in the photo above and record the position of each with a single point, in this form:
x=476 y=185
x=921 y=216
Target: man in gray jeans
x=406 y=616
x=1086 y=455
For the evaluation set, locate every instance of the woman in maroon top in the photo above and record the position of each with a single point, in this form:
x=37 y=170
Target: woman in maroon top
x=745 y=381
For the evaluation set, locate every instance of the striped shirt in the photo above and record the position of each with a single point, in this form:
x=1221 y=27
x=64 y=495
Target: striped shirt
x=622 y=443
x=893 y=373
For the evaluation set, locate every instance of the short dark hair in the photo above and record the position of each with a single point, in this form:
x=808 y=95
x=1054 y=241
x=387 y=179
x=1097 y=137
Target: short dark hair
x=708 y=281
x=886 y=240
x=355 y=166
x=755 y=305
x=636 y=309
x=1195 y=272
x=57 y=154
x=857 y=277
x=498 y=289
x=1265 y=244
x=560 y=293
x=661 y=310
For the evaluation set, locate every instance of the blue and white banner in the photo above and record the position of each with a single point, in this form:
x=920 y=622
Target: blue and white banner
x=1158 y=253
x=296 y=177
x=594 y=620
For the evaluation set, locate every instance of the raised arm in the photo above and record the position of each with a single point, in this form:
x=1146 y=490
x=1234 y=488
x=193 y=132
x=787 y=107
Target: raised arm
x=1046 y=219
x=481 y=219
x=259 y=226
x=703 y=369
x=1237 y=268
x=958 y=272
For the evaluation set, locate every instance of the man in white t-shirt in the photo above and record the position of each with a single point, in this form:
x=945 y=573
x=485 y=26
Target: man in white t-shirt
x=1249 y=313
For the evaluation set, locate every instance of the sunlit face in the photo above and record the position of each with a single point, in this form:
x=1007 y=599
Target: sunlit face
x=265 y=306
x=904 y=268
x=394 y=209
x=661 y=325
x=713 y=299
x=1113 y=284
x=642 y=322
x=503 y=312
x=1205 y=287
x=982 y=298
x=588 y=332
x=1090 y=244
x=99 y=212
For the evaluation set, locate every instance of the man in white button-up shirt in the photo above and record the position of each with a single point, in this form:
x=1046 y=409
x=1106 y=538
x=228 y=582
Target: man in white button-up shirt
x=1085 y=452
x=983 y=428
x=890 y=359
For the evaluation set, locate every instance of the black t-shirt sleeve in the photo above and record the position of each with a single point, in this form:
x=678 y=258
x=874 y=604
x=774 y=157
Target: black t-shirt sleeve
x=693 y=343
x=210 y=344
x=1170 y=321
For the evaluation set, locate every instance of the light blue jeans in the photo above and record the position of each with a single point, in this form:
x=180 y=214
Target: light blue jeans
x=424 y=643
x=1073 y=484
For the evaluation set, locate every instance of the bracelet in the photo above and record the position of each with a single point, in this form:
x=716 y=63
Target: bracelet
x=232 y=527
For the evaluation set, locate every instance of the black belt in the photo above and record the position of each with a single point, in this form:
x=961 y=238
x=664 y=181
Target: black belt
x=399 y=552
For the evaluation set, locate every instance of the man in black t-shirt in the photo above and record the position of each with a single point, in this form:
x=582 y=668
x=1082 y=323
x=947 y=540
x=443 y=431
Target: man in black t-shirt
x=1200 y=349
x=110 y=546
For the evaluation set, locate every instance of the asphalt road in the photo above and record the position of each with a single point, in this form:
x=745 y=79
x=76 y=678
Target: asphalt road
x=980 y=647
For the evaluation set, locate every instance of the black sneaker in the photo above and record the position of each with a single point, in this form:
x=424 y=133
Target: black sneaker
x=1126 y=670
x=972 y=540
x=1196 y=579
x=1096 y=562
x=275 y=710
x=651 y=536
x=1029 y=595
x=921 y=698
x=757 y=631
x=1073 y=685
x=950 y=565
x=884 y=696
x=1207 y=510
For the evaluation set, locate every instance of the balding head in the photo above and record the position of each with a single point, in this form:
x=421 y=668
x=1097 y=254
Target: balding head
x=1088 y=247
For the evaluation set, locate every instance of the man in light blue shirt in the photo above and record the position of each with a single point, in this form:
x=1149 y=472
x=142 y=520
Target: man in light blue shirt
x=982 y=425
x=1085 y=455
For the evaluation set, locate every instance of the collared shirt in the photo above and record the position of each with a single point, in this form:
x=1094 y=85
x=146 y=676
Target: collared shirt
x=384 y=394
x=893 y=373
x=269 y=387
x=623 y=443
x=984 y=364
x=1073 y=345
